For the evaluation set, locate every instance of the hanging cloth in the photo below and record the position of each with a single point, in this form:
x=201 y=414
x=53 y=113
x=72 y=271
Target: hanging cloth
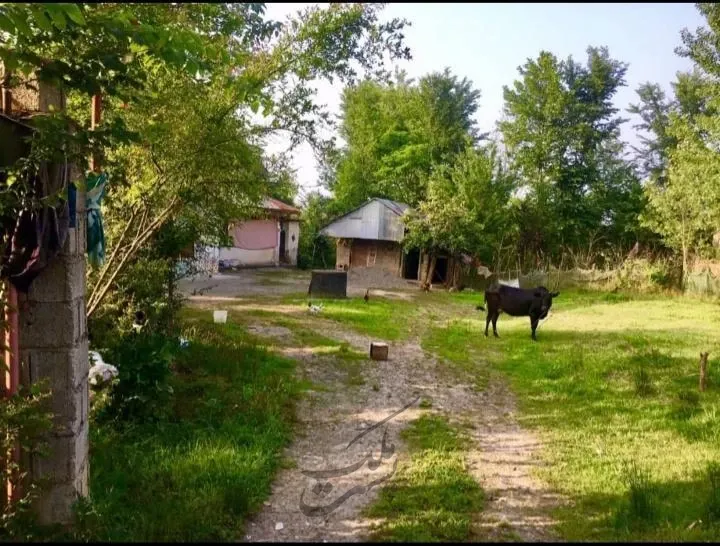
x=38 y=234
x=95 y=184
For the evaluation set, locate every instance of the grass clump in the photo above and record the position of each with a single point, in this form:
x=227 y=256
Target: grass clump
x=432 y=497
x=640 y=509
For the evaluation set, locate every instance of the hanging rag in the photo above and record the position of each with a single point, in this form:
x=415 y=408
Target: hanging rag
x=38 y=234
x=95 y=184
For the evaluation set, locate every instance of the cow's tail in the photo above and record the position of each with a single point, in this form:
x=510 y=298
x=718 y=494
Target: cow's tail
x=480 y=307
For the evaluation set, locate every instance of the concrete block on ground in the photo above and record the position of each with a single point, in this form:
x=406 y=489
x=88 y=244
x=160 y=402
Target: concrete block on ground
x=379 y=350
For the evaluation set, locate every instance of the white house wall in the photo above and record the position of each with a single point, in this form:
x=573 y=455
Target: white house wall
x=293 y=238
x=238 y=257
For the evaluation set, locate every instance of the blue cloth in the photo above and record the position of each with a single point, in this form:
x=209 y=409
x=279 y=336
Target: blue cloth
x=95 y=191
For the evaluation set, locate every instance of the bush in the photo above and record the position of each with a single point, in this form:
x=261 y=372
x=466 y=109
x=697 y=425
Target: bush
x=142 y=391
x=23 y=419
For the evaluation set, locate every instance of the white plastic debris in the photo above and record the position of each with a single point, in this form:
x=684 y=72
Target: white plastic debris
x=279 y=526
x=315 y=309
x=100 y=372
x=183 y=342
x=220 y=316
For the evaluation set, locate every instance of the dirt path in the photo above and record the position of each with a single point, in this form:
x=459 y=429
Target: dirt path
x=502 y=457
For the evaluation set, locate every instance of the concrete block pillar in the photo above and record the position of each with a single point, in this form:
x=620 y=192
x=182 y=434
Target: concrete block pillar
x=54 y=345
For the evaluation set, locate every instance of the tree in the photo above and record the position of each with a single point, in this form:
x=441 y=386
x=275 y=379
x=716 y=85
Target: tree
x=396 y=133
x=466 y=210
x=686 y=211
x=200 y=164
x=562 y=133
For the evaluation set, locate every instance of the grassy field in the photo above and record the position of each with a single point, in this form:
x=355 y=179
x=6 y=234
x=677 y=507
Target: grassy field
x=612 y=385
x=432 y=498
x=199 y=474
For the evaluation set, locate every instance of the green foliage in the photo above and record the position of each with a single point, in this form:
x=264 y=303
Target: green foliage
x=712 y=501
x=562 y=135
x=142 y=392
x=466 y=209
x=640 y=509
x=24 y=421
x=316 y=250
x=575 y=388
x=397 y=133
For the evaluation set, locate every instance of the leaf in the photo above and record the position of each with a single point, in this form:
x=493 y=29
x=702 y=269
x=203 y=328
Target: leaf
x=73 y=12
x=6 y=24
x=255 y=106
x=20 y=23
x=58 y=18
x=42 y=20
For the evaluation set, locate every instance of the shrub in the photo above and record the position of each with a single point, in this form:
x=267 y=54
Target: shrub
x=142 y=391
x=25 y=420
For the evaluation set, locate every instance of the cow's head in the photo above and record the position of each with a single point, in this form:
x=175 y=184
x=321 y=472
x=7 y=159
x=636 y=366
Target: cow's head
x=544 y=298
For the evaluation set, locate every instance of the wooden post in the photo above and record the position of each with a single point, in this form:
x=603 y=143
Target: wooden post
x=11 y=381
x=703 y=371
x=95 y=117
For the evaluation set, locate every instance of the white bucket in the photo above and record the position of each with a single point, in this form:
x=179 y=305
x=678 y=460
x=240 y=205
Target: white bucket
x=220 y=317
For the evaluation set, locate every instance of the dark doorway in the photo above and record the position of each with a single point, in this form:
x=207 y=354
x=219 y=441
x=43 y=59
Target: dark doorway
x=283 y=236
x=412 y=264
x=441 y=267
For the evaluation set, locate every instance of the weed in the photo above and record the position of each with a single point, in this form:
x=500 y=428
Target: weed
x=640 y=508
x=425 y=403
x=643 y=382
x=712 y=501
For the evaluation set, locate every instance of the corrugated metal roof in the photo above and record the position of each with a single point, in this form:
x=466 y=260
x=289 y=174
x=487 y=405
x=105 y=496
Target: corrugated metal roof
x=395 y=206
x=376 y=219
x=270 y=203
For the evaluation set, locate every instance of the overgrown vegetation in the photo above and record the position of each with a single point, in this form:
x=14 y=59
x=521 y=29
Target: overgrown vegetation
x=432 y=498
x=206 y=460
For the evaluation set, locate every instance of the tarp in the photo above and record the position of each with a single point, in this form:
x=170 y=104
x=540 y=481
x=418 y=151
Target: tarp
x=256 y=235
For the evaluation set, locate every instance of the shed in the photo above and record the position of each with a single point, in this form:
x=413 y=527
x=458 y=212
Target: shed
x=371 y=236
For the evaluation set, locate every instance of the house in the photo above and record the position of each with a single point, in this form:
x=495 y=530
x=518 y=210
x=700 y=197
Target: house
x=371 y=236
x=268 y=239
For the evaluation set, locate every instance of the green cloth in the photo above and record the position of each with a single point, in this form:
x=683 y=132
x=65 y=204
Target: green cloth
x=95 y=191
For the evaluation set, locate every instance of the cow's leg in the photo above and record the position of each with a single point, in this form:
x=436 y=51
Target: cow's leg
x=494 y=321
x=487 y=322
x=534 y=324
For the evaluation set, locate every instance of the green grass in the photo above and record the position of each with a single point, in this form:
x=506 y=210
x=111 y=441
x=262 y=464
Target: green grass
x=198 y=475
x=382 y=318
x=431 y=498
x=611 y=383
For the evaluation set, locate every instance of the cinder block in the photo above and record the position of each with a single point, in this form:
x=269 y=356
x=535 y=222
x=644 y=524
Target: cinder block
x=67 y=371
x=63 y=280
x=52 y=325
x=65 y=459
x=55 y=505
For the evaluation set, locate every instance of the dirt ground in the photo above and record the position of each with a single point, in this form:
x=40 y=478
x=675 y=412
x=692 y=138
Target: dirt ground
x=502 y=458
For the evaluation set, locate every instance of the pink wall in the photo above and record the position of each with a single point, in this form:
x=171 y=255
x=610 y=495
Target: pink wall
x=255 y=235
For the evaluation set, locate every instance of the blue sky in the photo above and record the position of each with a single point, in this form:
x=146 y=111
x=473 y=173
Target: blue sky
x=487 y=42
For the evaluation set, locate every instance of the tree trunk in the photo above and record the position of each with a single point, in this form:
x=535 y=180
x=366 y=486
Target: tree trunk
x=431 y=270
x=684 y=272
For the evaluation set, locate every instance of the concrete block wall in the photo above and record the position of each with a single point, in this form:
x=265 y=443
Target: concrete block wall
x=54 y=345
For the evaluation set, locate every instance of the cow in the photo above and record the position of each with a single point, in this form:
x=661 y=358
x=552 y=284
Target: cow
x=517 y=302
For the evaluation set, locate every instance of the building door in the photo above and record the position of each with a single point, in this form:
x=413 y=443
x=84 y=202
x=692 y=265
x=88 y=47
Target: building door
x=283 y=243
x=411 y=265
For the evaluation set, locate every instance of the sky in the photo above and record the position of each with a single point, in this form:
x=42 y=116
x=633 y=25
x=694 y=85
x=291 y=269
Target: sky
x=488 y=42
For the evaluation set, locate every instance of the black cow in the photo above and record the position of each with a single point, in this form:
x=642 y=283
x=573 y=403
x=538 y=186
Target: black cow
x=517 y=302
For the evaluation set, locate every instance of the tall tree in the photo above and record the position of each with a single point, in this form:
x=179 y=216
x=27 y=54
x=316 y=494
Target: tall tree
x=396 y=133
x=561 y=130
